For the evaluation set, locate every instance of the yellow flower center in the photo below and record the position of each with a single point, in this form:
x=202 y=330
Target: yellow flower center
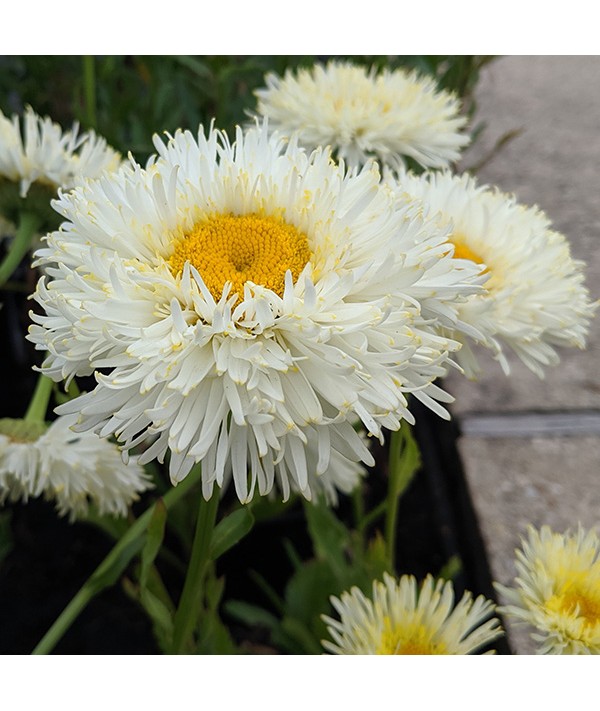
x=242 y=248
x=580 y=600
x=408 y=638
x=463 y=251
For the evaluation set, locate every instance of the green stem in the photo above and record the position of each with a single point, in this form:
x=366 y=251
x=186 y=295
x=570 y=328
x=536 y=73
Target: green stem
x=188 y=609
x=27 y=227
x=358 y=506
x=404 y=462
x=393 y=499
x=112 y=566
x=38 y=406
x=89 y=85
x=373 y=515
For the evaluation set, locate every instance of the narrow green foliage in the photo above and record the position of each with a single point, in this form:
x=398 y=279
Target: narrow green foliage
x=405 y=460
x=451 y=569
x=154 y=539
x=331 y=538
x=111 y=568
x=213 y=635
x=250 y=615
x=230 y=531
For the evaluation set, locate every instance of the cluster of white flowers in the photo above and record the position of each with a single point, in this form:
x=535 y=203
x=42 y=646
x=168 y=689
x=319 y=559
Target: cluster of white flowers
x=257 y=306
x=266 y=304
x=247 y=304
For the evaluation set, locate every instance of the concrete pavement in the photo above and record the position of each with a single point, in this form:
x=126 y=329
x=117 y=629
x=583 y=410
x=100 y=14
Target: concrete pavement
x=541 y=472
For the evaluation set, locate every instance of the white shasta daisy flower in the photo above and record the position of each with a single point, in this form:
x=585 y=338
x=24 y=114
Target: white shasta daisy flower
x=45 y=153
x=402 y=617
x=557 y=590
x=71 y=469
x=362 y=114
x=535 y=298
x=35 y=163
x=242 y=305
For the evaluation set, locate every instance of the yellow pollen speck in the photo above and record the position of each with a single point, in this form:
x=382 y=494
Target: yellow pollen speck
x=241 y=248
x=408 y=638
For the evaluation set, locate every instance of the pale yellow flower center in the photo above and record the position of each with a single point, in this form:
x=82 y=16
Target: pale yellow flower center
x=463 y=251
x=241 y=248
x=408 y=638
x=579 y=598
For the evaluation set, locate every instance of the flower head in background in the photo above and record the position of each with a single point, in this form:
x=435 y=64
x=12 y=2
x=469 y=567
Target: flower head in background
x=403 y=617
x=73 y=470
x=39 y=158
x=535 y=298
x=387 y=115
x=243 y=305
x=557 y=590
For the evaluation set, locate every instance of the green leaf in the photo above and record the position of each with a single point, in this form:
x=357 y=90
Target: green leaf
x=109 y=571
x=216 y=638
x=160 y=614
x=213 y=635
x=405 y=461
x=230 y=531
x=292 y=554
x=331 y=539
x=213 y=591
x=307 y=594
x=154 y=538
x=268 y=590
x=376 y=563
x=250 y=615
x=451 y=569
x=194 y=64
x=306 y=641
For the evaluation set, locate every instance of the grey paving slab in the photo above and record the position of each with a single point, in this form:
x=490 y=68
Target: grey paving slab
x=516 y=482
x=524 y=477
x=554 y=163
